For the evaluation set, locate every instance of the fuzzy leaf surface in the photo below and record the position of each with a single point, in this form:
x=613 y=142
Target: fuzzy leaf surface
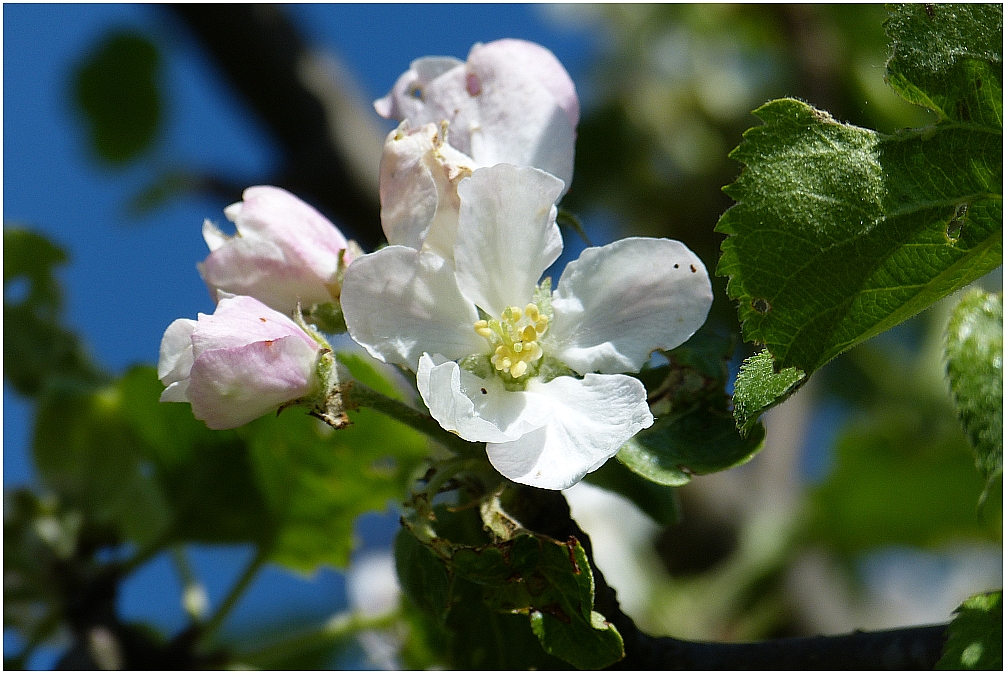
x=839 y=232
x=975 y=367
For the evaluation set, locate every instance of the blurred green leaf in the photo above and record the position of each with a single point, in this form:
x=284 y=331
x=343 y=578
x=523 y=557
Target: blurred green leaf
x=694 y=432
x=317 y=480
x=975 y=365
x=207 y=476
x=116 y=87
x=87 y=455
x=759 y=387
x=975 y=637
x=901 y=477
x=948 y=58
x=36 y=346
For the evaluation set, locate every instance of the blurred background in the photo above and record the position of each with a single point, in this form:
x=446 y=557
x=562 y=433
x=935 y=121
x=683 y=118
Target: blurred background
x=126 y=125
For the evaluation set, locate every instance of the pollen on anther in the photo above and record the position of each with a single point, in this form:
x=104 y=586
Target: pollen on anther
x=482 y=329
x=529 y=334
x=532 y=313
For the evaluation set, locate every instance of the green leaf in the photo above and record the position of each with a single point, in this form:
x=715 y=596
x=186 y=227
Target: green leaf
x=206 y=476
x=694 y=432
x=948 y=58
x=36 y=346
x=759 y=387
x=317 y=480
x=550 y=581
x=840 y=233
x=975 y=637
x=975 y=366
x=116 y=87
x=87 y=455
x=422 y=575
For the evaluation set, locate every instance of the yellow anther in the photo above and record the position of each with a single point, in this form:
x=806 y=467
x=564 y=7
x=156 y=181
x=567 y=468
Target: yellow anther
x=541 y=325
x=504 y=364
x=482 y=329
x=532 y=350
x=515 y=313
x=529 y=334
x=532 y=313
x=518 y=369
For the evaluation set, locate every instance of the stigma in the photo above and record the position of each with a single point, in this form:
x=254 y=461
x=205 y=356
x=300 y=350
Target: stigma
x=516 y=339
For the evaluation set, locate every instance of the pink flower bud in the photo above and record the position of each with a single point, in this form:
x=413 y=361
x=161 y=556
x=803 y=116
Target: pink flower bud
x=512 y=102
x=243 y=361
x=284 y=251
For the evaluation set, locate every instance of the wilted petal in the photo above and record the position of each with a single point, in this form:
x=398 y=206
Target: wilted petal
x=399 y=303
x=507 y=234
x=618 y=303
x=588 y=421
x=419 y=199
x=478 y=410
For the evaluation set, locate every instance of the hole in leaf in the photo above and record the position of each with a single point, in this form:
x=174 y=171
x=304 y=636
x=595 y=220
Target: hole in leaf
x=761 y=306
x=956 y=223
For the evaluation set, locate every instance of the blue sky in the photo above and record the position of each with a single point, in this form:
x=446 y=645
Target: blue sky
x=128 y=279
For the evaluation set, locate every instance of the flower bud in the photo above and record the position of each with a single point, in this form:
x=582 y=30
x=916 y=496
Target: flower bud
x=237 y=364
x=284 y=252
x=512 y=102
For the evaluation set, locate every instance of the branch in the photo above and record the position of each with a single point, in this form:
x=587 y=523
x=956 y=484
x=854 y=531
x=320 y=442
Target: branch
x=547 y=512
x=264 y=58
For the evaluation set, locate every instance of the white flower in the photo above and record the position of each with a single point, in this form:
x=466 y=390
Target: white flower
x=512 y=102
x=284 y=251
x=239 y=363
x=497 y=355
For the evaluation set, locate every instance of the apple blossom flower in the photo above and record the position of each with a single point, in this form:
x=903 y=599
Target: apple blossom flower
x=512 y=102
x=237 y=364
x=500 y=358
x=284 y=251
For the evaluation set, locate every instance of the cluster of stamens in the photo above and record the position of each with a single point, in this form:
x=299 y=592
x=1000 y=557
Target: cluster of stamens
x=515 y=335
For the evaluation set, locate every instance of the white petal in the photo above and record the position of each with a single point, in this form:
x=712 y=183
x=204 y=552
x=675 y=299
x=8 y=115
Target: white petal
x=478 y=410
x=212 y=235
x=507 y=234
x=175 y=359
x=618 y=303
x=527 y=115
x=176 y=392
x=589 y=420
x=399 y=303
x=419 y=199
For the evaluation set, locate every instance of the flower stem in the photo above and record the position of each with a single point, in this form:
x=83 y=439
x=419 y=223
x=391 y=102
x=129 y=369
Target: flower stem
x=214 y=623
x=360 y=394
